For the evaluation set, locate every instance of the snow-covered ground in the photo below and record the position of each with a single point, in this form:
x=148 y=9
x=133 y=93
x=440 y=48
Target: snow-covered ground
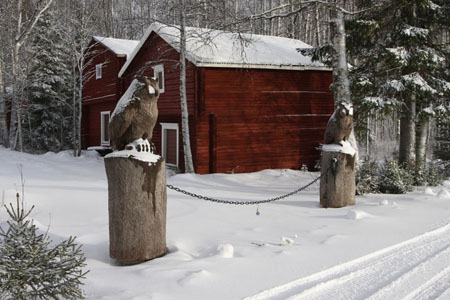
x=385 y=247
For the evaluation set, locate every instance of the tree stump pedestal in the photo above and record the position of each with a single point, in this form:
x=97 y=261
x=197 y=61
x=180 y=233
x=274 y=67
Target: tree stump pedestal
x=337 y=184
x=137 y=203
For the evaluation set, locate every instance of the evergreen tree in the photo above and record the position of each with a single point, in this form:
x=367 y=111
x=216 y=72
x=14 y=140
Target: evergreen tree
x=50 y=90
x=401 y=63
x=31 y=267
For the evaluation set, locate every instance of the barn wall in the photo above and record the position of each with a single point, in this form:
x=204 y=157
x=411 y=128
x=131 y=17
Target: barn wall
x=99 y=94
x=156 y=51
x=107 y=87
x=91 y=122
x=265 y=119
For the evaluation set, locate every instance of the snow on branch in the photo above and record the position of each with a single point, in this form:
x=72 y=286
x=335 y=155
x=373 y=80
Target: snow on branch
x=415 y=31
x=400 y=53
x=417 y=81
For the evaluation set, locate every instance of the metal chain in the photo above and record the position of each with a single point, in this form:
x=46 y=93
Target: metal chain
x=243 y=202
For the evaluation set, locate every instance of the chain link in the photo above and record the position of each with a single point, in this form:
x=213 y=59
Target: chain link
x=243 y=202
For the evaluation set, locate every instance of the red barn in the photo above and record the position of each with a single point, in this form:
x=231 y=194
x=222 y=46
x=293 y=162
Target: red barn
x=102 y=89
x=254 y=101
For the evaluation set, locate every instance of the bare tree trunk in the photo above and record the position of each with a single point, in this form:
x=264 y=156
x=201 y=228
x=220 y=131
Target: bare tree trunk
x=407 y=131
x=341 y=83
x=317 y=26
x=16 y=120
x=3 y=112
x=78 y=105
x=421 y=144
x=188 y=162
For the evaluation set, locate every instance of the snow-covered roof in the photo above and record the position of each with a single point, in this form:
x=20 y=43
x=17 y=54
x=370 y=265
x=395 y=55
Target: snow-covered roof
x=215 y=48
x=118 y=46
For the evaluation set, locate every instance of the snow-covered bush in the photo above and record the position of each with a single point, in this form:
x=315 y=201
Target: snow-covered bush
x=435 y=175
x=394 y=179
x=31 y=267
x=367 y=178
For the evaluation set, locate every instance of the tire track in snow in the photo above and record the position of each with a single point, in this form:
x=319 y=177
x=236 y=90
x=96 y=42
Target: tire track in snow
x=433 y=288
x=413 y=268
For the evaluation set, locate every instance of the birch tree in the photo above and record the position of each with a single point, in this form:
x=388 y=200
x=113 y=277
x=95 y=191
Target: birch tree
x=3 y=110
x=78 y=32
x=188 y=161
x=24 y=24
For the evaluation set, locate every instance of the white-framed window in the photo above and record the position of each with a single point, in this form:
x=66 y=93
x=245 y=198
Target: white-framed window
x=170 y=143
x=158 y=72
x=104 y=128
x=98 y=71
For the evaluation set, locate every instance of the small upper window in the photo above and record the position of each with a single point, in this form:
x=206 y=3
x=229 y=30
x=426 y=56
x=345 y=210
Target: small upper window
x=98 y=71
x=158 y=73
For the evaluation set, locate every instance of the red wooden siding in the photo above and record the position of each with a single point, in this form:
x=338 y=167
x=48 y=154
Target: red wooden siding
x=107 y=87
x=99 y=94
x=255 y=119
x=263 y=118
x=92 y=122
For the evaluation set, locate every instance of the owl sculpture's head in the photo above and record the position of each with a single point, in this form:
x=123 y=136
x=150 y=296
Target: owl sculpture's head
x=345 y=109
x=152 y=85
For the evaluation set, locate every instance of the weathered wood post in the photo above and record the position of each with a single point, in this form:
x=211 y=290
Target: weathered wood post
x=337 y=166
x=137 y=198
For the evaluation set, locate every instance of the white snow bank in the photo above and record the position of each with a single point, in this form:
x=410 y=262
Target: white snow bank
x=344 y=148
x=225 y=250
x=429 y=191
x=384 y=202
x=74 y=192
x=355 y=214
x=285 y=241
x=443 y=194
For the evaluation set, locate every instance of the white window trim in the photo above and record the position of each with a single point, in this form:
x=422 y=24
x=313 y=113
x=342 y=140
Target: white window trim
x=165 y=126
x=160 y=69
x=103 y=141
x=98 y=71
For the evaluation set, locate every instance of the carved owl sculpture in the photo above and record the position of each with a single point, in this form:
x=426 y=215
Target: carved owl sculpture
x=135 y=114
x=340 y=124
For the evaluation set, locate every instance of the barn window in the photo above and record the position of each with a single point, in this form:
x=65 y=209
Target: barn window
x=170 y=143
x=98 y=71
x=158 y=72
x=104 y=127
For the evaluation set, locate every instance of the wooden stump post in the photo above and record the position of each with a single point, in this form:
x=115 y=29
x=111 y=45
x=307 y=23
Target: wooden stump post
x=137 y=209
x=337 y=185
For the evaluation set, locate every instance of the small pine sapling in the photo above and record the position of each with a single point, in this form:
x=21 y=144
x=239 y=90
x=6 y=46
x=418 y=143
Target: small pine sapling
x=367 y=178
x=31 y=266
x=394 y=179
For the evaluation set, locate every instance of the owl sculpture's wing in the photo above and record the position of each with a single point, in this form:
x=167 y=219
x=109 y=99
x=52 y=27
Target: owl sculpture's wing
x=124 y=113
x=119 y=124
